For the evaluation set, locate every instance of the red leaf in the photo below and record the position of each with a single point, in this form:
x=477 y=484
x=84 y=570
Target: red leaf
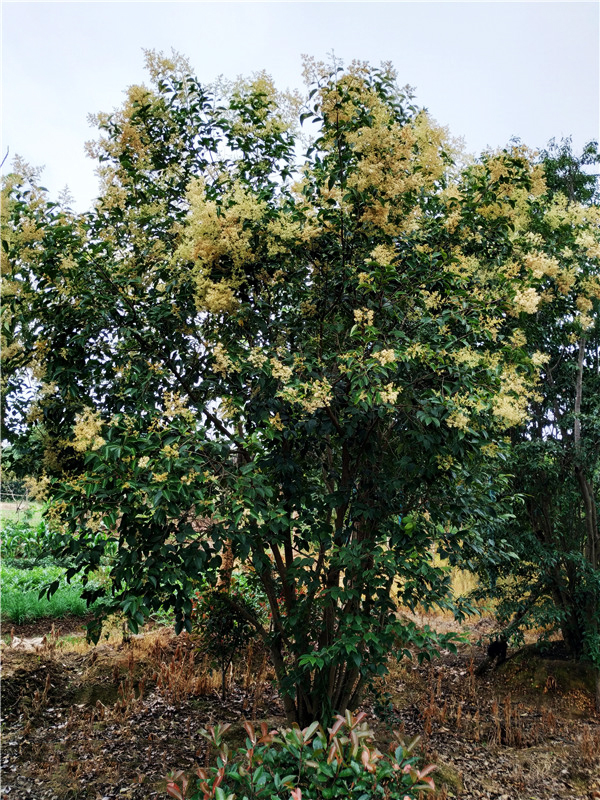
x=250 y=731
x=359 y=718
x=425 y=771
x=336 y=725
x=175 y=791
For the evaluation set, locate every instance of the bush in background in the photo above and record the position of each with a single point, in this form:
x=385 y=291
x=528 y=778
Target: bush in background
x=221 y=620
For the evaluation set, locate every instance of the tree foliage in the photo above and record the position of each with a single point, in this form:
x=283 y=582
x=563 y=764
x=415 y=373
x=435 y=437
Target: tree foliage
x=556 y=454
x=310 y=356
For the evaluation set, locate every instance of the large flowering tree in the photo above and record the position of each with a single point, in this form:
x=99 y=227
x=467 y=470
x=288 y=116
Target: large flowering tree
x=312 y=359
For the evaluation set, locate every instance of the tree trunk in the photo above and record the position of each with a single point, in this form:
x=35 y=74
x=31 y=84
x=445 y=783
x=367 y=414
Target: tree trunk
x=573 y=637
x=591 y=549
x=592 y=545
x=226 y=569
x=289 y=706
x=578 y=392
x=227 y=560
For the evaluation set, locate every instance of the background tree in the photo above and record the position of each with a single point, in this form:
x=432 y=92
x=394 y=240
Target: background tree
x=306 y=357
x=556 y=454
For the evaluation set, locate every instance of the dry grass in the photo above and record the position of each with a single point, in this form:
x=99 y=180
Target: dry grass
x=461 y=719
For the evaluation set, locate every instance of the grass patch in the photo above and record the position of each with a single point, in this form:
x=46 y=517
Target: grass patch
x=18 y=512
x=20 y=594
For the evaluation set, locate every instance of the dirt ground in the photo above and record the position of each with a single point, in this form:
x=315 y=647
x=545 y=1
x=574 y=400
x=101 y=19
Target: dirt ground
x=111 y=721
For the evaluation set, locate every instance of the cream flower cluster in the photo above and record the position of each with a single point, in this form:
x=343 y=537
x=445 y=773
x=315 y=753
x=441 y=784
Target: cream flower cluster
x=222 y=362
x=383 y=254
x=466 y=356
x=510 y=410
x=458 y=419
x=257 y=358
x=281 y=371
x=216 y=298
x=389 y=393
x=310 y=396
x=527 y=301
x=175 y=405
x=538 y=359
x=365 y=315
x=518 y=338
x=385 y=357
x=87 y=431
x=540 y=264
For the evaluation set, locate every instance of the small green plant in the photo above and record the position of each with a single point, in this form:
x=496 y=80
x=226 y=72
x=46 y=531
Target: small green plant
x=307 y=764
x=223 y=629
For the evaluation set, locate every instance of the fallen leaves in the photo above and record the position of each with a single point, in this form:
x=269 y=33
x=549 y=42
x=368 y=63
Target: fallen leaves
x=102 y=728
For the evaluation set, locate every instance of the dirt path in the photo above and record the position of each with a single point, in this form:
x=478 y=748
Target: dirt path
x=111 y=721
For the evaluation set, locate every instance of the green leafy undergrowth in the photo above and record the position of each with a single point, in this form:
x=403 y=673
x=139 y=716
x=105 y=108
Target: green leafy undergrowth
x=21 y=589
x=26 y=539
x=307 y=764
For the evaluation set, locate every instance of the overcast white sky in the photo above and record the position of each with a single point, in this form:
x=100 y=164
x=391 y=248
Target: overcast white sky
x=488 y=70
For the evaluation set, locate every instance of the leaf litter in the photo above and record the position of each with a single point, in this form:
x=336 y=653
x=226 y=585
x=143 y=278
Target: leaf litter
x=112 y=721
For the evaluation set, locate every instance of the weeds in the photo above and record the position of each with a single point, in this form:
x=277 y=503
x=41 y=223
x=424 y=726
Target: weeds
x=492 y=721
x=40 y=699
x=589 y=744
x=179 y=678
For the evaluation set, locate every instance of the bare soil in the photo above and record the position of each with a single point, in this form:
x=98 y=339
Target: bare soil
x=111 y=721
